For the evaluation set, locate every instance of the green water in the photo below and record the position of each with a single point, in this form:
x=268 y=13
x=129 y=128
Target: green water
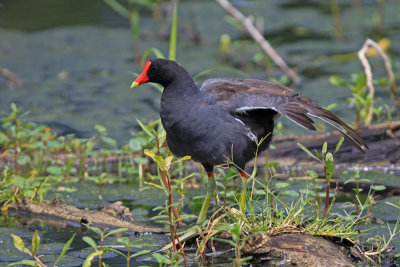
x=76 y=58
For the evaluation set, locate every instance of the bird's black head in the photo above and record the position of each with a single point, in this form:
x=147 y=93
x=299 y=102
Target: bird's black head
x=161 y=71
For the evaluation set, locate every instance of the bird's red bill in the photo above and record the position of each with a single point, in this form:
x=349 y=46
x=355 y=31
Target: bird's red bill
x=143 y=76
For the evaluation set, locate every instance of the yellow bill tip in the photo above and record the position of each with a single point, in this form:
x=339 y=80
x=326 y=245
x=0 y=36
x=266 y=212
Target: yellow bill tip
x=134 y=84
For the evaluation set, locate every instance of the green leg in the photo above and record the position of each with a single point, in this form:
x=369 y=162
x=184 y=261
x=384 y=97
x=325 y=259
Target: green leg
x=210 y=192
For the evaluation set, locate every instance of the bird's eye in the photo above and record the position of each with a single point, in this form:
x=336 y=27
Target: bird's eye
x=155 y=67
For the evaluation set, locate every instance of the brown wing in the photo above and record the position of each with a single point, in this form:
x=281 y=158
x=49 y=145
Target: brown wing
x=242 y=95
x=229 y=86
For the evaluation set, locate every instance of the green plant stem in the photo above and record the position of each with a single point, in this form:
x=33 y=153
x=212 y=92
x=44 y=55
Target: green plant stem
x=243 y=192
x=16 y=155
x=101 y=248
x=328 y=185
x=128 y=255
x=210 y=192
x=317 y=198
x=357 y=195
x=140 y=170
x=40 y=167
x=166 y=181
x=337 y=21
x=120 y=166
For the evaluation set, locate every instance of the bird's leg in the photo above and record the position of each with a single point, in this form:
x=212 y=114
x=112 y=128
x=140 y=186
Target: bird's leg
x=242 y=203
x=210 y=191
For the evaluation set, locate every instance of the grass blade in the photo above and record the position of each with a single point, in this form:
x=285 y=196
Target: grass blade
x=174 y=32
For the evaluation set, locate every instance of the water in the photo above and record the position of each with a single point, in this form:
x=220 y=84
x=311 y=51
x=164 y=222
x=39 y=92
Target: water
x=76 y=61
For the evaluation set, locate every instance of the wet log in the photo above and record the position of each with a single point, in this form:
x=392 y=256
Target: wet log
x=383 y=140
x=291 y=249
x=114 y=215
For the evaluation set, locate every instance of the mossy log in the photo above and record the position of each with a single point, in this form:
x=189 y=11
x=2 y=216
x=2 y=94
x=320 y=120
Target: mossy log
x=291 y=249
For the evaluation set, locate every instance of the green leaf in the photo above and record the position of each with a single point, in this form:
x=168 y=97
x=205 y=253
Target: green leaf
x=378 y=187
x=160 y=258
x=54 y=170
x=65 y=248
x=14 y=107
x=18 y=243
x=381 y=81
x=90 y=242
x=109 y=141
x=115 y=231
x=95 y=229
x=120 y=9
x=155 y=185
x=358 y=190
x=89 y=259
x=336 y=80
x=161 y=163
x=141 y=160
x=3 y=138
x=35 y=242
x=23 y=263
x=23 y=159
x=139 y=253
x=124 y=240
x=145 y=129
x=349 y=181
x=54 y=144
x=339 y=144
x=307 y=151
x=329 y=166
x=137 y=143
x=153 y=50
x=312 y=174
x=331 y=106
x=117 y=251
x=360 y=82
x=233 y=244
x=208 y=71
x=318 y=154
x=18 y=181
x=100 y=129
x=68 y=166
x=280 y=185
x=397 y=205
x=360 y=99
x=324 y=148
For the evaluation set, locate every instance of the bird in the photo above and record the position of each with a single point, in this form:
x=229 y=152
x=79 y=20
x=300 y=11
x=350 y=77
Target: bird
x=225 y=120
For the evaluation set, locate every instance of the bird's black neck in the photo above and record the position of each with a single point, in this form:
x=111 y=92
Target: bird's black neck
x=180 y=87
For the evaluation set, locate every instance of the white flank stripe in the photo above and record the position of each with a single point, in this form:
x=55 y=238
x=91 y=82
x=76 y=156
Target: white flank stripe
x=249 y=133
x=244 y=109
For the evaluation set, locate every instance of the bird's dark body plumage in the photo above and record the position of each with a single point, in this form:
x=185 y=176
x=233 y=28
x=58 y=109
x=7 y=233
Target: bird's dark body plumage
x=224 y=119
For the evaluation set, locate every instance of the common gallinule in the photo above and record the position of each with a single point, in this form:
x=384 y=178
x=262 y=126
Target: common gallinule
x=223 y=120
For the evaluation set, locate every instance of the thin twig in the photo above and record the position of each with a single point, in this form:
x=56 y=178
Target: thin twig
x=259 y=38
x=368 y=74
